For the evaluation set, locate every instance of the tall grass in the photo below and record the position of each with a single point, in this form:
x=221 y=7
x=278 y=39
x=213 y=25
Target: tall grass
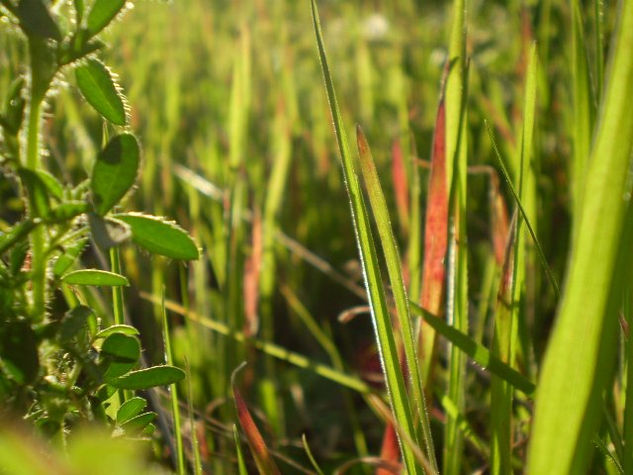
x=466 y=357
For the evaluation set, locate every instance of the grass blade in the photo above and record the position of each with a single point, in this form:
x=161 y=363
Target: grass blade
x=435 y=239
x=506 y=176
x=306 y=447
x=392 y=257
x=582 y=347
x=173 y=391
x=264 y=461
x=380 y=316
x=478 y=353
x=266 y=347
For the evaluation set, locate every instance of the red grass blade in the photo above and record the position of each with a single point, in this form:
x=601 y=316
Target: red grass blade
x=252 y=270
x=400 y=185
x=500 y=221
x=264 y=461
x=436 y=223
x=390 y=451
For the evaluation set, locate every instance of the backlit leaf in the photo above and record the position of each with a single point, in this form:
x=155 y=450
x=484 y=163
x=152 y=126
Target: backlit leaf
x=98 y=87
x=95 y=277
x=149 y=378
x=159 y=236
x=114 y=172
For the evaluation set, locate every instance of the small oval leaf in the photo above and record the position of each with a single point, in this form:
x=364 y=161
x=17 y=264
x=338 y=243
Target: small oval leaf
x=129 y=409
x=136 y=425
x=102 y=13
x=149 y=378
x=124 y=329
x=95 y=277
x=122 y=353
x=54 y=187
x=160 y=236
x=98 y=87
x=67 y=211
x=70 y=255
x=114 y=172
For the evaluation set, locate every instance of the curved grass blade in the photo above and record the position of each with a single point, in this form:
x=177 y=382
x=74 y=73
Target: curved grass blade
x=306 y=447
x=506 y=176
x=266 y=347
x=380 y=316
x=392 y=257
x=264 y=461
x=478 y=353
x=581 y=352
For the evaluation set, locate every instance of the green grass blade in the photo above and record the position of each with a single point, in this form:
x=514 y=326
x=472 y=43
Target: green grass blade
x=241 y=464
x=380 y=316
x=392 y=257
x=517 y=199
x=173 y=391
x=582 y=347
x=583 y=104
x=457 y=254
x=477 y=352
x=266 y=347
x=512 y=293
x=306 y=447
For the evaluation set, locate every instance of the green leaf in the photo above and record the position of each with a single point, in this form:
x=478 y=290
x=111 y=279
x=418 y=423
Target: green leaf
x=14 y=106
x=137 y=424
x=129 y=409
x=160 y=236
x=105 y=392
x=37 y=192
x=149 y=430
x=102 y=13
x=75 y=320
x=18 y=351
x=149 y=378
x=121 y=353
x=17 y=232
x=36 y=20
x=95 y=277
x=98 y=87
x=80 y=7
x=124 y=329
x=54 y=187
x=17 y=257
x=67 y=211
x=69 y=256
x=108 y=232
x=114 y=172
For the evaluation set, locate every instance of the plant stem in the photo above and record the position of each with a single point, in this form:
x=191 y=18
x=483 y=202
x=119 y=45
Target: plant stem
x=38 y=238
x=173 y=391
x=117 y=304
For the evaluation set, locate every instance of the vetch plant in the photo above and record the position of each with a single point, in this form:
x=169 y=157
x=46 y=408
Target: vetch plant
x=61 y=363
